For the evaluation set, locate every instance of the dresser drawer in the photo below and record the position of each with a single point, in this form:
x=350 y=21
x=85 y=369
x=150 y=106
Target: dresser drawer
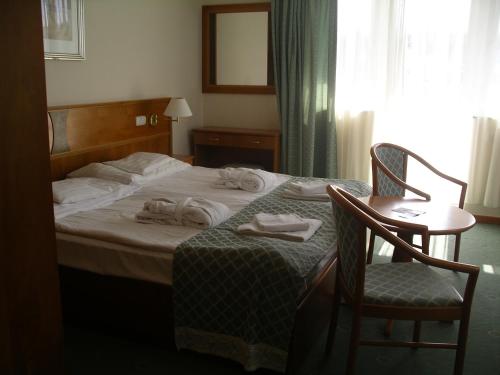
x=255 y=141
x=212 y=139
x=234 y=140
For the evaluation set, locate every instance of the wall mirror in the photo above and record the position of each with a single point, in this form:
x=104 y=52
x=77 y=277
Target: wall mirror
x=237 y=51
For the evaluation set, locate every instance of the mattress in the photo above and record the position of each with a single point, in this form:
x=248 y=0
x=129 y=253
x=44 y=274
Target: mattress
x=108 y=241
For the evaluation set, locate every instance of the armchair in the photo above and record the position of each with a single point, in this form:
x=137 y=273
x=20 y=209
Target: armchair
x=389 y=167
x=405 y=291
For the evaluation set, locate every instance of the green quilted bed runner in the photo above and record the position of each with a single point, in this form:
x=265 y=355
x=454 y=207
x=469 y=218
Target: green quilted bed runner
x=236 y=295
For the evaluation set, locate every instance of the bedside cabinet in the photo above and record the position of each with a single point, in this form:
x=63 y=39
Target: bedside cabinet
x=215 y=147
x=185 y=158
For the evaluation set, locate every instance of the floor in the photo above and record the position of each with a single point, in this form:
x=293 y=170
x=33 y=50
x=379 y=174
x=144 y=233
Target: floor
x=88 y=352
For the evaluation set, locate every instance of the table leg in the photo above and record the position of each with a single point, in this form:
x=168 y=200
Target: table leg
x=400 y=255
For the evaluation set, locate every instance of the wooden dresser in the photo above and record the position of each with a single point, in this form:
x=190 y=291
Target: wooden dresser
x=215 y=147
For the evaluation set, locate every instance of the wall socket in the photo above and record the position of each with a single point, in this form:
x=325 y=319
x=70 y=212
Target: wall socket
x=140 y=120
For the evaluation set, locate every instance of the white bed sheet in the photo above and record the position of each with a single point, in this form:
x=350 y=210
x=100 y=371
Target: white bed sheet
x=63 y=210
x=108 y=240
x=107 y=258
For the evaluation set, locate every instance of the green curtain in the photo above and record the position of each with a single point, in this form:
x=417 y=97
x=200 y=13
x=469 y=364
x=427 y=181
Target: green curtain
x=304 y=34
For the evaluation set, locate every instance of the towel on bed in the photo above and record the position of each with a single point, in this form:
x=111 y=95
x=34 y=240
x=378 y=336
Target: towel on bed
x=308 y=187
x=309 y=190
x=252 y=228
x=252 y=180
x=292 y=194
x=192 y=212
x=280 y=222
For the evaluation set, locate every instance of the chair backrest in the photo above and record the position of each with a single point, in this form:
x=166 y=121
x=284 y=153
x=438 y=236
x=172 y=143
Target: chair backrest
x=395 y=159
x=351 y=244
x=352 y=218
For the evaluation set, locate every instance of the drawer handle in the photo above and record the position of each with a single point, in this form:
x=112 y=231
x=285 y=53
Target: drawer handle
x=256 y=142
x=214 y=139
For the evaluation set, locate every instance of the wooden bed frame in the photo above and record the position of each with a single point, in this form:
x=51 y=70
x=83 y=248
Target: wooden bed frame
x=107 y=131
x=135 y=308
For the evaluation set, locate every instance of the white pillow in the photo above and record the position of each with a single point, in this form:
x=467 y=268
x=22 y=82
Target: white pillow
x=164 y=170
x=106 y=172
x=79 y=189
x=142 y=163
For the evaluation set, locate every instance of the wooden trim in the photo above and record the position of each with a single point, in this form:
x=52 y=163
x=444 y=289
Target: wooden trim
x=238 y=89
x=248 y=131
x=483 y=219
x=84 y=151
x=208 y=49
x=62 y=164
x=107 y=104
x=237 y=8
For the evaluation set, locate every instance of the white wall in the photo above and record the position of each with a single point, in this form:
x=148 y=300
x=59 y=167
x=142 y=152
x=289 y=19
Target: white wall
x=135 y=49
x=141 y=49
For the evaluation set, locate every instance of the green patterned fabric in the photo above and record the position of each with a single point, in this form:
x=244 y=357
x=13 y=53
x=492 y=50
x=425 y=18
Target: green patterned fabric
x=349 y=246
x=304 y=36
x=236 y=295
x=393 y=159
x=59 y=122
x=408 y=284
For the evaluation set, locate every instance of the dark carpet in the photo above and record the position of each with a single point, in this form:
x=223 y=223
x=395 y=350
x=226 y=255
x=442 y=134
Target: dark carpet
x=91 y=352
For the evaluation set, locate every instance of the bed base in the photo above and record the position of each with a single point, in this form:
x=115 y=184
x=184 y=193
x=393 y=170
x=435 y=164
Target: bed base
x=142 y=310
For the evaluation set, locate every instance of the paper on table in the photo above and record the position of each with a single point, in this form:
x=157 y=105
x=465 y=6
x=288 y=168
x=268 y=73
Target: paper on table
x=407 y=213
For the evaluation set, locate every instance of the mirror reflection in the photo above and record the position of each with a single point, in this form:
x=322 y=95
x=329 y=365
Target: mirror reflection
x=241 y=48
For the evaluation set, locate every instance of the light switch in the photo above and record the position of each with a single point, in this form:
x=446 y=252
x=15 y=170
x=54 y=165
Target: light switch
x=140 y=120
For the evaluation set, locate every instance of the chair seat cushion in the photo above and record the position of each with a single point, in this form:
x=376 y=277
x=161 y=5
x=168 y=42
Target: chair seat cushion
x=408 y=284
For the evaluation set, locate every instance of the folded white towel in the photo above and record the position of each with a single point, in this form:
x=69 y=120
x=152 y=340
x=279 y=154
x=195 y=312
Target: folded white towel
x=193 y=212
x=299 y=236
x=280 y=223
x=308 y=187
x=292 y=194
x=309 y=190
x=253 y=180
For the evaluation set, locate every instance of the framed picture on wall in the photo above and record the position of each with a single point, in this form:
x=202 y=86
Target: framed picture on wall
x=63 y=29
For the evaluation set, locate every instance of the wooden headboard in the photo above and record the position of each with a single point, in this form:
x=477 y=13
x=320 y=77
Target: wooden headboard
x=106 y=131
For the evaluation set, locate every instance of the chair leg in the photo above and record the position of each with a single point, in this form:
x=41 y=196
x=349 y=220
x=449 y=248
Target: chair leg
x=388 y=327
x=371 y=245
x=354 y=341
x=457 y=247
x=416 y=331
x=462 y=343
x=333 y=320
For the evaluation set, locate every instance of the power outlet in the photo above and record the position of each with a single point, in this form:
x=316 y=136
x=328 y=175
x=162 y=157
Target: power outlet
x=140 y=120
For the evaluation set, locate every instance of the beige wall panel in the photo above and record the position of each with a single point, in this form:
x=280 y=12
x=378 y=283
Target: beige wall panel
x=135 y=50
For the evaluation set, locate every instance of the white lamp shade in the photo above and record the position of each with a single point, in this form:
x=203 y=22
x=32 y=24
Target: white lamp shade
x=177 y=107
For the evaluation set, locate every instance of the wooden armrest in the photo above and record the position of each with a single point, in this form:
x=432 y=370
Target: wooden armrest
x=418 y=229
x=451 y=179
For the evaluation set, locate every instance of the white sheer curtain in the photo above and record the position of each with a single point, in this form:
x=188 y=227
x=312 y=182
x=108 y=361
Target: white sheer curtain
x=420 y=73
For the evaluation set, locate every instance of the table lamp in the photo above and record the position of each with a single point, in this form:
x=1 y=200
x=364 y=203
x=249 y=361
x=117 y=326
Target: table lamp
x=177 y=108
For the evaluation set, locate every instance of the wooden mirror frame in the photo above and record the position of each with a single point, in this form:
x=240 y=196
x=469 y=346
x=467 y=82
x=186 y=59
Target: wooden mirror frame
x=208 y=50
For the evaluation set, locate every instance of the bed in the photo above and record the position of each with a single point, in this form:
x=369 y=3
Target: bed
x=118 y=274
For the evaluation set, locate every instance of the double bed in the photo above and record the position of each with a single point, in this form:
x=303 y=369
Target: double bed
x=264 y=302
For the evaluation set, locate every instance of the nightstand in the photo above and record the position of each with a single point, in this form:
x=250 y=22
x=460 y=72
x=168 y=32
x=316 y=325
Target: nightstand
x=185 y=158
x=215 y=147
